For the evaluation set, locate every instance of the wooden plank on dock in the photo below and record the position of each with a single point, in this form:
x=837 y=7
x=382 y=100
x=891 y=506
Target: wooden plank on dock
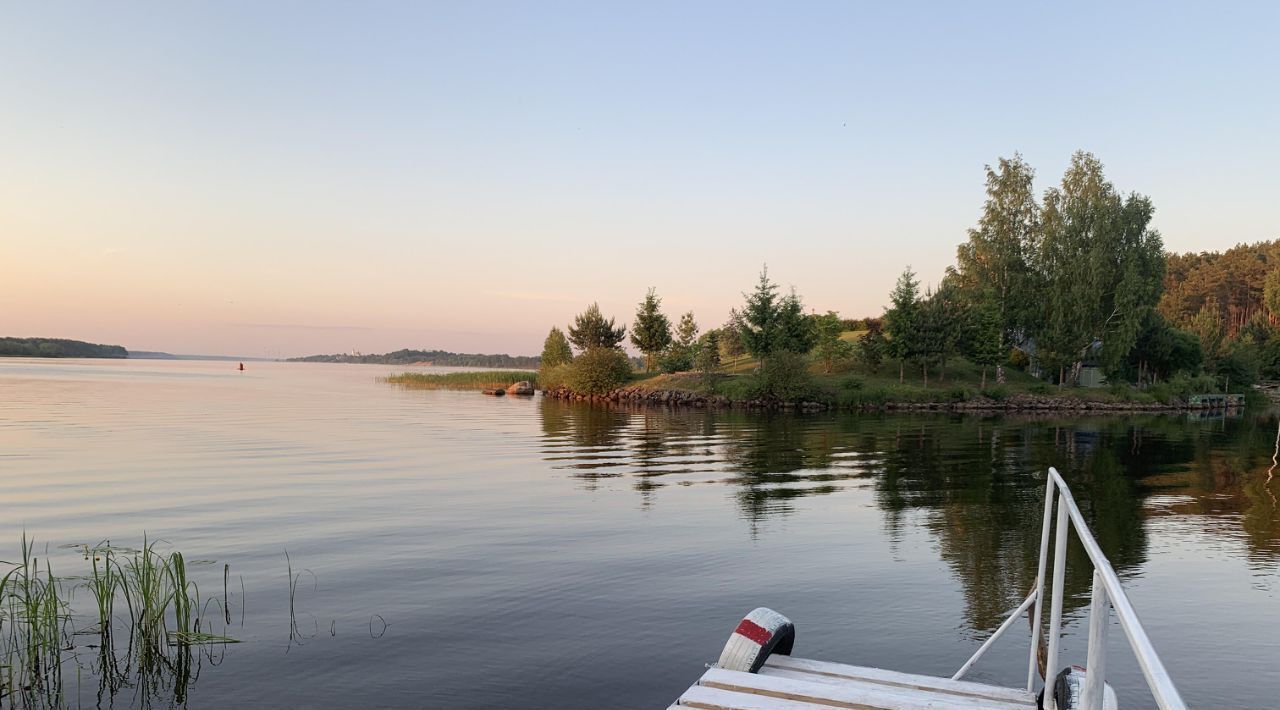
x=808 y=690
x=705 y=698
x=906 y=680
x=894 y=696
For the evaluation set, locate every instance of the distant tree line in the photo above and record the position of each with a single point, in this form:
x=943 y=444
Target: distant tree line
x=1231 y=284
x=58 y=347
x=1229 y=303
x=435 y=357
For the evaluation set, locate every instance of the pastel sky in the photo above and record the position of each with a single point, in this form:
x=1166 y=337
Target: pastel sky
x=286 y=178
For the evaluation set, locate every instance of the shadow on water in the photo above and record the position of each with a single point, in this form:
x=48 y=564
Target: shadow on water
x=976 y=483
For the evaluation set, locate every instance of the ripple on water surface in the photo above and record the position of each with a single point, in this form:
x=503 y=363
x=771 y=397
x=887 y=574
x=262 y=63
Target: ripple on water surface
x=454 y=550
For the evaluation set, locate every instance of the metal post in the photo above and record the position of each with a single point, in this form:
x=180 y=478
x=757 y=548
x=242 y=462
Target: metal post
x=1099 y=619
x=1158 y=679
x=1055 y=610
x=1009 y=621
x=1039 y=590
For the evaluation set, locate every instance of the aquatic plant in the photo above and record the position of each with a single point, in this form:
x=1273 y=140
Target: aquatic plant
x=296 y=635
x=32 y=615
x=491 y=379
x=152 y=641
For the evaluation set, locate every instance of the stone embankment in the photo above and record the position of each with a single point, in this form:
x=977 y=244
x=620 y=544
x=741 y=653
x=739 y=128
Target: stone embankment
x=1014 y=403
x=645 y=395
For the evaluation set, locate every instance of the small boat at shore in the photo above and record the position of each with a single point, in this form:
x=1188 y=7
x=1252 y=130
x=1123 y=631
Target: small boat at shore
x=756 y=669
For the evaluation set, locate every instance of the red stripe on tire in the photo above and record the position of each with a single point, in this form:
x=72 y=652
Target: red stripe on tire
x=754 y=631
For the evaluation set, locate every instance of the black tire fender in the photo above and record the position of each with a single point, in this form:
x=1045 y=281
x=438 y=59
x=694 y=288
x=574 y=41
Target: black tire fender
x=1068 y=691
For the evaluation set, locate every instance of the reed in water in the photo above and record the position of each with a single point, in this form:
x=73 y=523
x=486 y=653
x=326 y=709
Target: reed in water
x=493 y=379
x=147 y=614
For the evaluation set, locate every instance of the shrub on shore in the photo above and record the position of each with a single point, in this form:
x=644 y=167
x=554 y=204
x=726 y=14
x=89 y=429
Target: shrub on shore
x=598 y=371
x=554 y=377
x=783 y=377
x=1182 y=386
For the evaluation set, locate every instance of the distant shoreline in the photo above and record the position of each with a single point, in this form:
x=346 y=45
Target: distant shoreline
x=436 y=358
x=54 y=348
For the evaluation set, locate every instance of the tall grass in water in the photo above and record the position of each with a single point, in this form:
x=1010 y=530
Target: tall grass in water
x=32 y=615
x=296 y=635
x=159 y=593
x=461 y=380
x=149 y=647
x=106 y=581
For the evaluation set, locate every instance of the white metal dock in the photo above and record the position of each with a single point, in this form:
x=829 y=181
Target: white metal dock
x=757 y=672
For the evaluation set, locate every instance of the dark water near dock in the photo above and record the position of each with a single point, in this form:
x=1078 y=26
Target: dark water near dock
x=465 y=551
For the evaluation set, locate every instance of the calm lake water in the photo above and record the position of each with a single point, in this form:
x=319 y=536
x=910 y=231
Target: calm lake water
x=472 y=552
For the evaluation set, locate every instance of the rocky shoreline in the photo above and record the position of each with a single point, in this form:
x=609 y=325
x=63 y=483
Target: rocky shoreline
x=643 y=396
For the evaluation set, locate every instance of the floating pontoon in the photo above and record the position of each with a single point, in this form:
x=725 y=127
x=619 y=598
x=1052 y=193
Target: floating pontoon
x=757 y=672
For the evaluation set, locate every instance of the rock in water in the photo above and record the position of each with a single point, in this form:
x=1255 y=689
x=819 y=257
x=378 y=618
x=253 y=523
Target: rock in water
x=522 y=387
x=496 y=393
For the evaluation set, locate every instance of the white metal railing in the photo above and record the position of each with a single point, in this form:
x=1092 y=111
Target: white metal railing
x=1107 y=595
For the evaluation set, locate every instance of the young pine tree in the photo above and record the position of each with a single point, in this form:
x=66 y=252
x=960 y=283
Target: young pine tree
x=590 y=331
x=687 y=331
x=902 y=320
x=706 y=357
x=555 y=349
x=758 y=320
x=651 y=331
x=983 y=341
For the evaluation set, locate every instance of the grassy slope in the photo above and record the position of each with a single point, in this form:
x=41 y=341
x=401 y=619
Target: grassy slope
x=855 y=384
x=960 y=374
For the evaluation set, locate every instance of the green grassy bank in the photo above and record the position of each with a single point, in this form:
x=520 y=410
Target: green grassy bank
x=852 y=384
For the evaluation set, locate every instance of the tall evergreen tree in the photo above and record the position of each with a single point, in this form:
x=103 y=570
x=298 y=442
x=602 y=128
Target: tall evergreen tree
x=770 y=324
x=651 y=331
x=1271 y=294
x=902 y=319
x=590 y=330
x=706 y=357
x=796 y=331
x=555 y=349
x=758 y=321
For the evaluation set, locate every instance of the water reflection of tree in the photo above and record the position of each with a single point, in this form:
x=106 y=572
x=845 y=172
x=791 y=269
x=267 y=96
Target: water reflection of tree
x=1232 y=487
x=771 y=459
x=586 y=439
x=976 y=483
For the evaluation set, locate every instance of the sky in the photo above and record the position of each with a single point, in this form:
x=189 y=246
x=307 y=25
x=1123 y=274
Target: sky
x=289 y=178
